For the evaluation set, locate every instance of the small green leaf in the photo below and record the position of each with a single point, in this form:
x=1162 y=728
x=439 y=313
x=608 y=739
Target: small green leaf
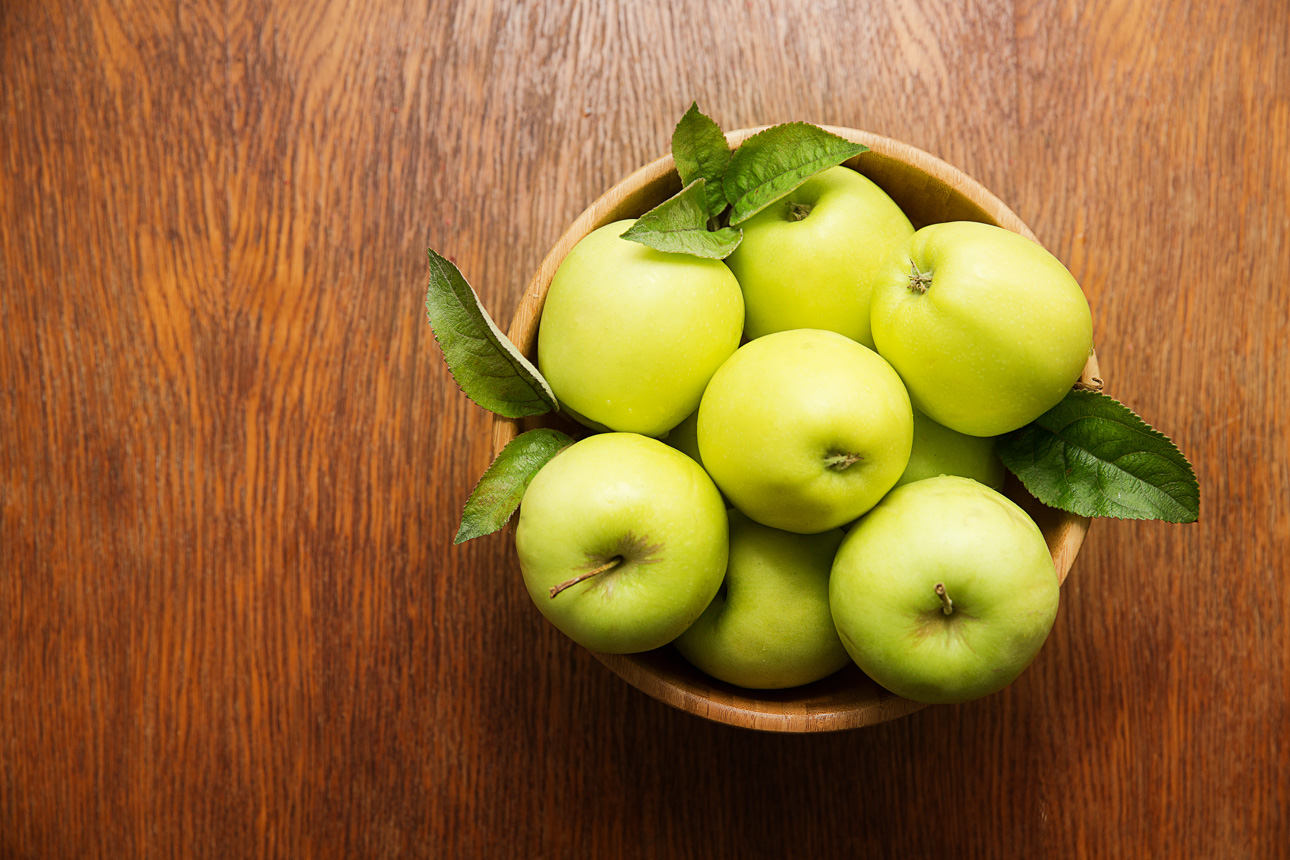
x=773 y=162
x=679 y=225
x=502 y=487
x=701 y=152
x=1091 y=455
x=486 y=365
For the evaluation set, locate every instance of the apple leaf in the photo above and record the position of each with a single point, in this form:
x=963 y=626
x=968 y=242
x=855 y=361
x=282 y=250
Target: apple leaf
x=1091 y=455
x=485 y=364
x=773 y=162
x=679 y=225
x=701 y=152
x=500 y=490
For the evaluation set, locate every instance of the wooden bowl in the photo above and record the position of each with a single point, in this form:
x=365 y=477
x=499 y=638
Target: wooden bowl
x=929 y=191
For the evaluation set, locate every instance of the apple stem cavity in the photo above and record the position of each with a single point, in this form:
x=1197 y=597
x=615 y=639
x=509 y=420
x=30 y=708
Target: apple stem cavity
x=947 y=605
x=604 y=568
x=840 y=462
x=919 y=281
x=798 y=211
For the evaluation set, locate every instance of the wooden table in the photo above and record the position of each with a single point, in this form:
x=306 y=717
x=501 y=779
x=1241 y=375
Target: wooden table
x=232 y=620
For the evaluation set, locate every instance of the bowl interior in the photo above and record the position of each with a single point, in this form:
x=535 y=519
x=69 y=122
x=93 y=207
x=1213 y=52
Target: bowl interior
x=929 y=191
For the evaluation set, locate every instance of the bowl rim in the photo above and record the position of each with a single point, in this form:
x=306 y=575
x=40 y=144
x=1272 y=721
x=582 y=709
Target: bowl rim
x=657 y=673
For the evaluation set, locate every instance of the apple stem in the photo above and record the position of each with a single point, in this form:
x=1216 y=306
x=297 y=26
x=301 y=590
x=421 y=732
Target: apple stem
x=607 y=566
x=1094 y=383
x=919 y=280
x=798 y=211
x=947 y=605
x=839 y=462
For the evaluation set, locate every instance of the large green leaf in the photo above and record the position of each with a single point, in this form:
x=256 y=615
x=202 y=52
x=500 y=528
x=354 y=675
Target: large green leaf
x=485 y=364
x=679 y=225
x=701 y=152
x=773 y=162
x=502 y=487
x=1093 y=456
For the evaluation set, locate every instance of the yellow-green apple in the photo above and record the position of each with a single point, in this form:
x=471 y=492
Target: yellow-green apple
x=629 y=335
x=944 y=592
x=810 y=259
x=622 y=542
x=684 y=437
x=769 y=626
x=805 y=430
x=987 y=329
x=938 y=450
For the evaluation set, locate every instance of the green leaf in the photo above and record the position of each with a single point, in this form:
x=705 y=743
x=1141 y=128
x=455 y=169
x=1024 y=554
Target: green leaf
x=701 y=152
x=679 y=225
x=1091 y=455
x=502 y=487
x=485 y=364
x=773 y=162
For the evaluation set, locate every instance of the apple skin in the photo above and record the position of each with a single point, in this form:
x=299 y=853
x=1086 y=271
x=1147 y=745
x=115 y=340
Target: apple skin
x=1000 y=334
x=818 y=272
x=684 y=437
x=938 y=450
x=996 y=569
x=622 y=495
x=769 y=627
x=630 y=336
x=787 y=405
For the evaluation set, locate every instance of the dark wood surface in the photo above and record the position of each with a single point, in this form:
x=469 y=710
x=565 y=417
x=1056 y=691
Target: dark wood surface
x=232 y=620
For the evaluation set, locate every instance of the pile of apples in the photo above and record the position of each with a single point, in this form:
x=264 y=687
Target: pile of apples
x=794 y=461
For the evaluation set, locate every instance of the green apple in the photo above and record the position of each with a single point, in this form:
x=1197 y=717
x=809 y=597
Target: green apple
x=805 y=430
x=987 y=329
x=684 y=437
x=630 y=336
x=769 y=626
x=622 y=542
x=938 y=450
x=944 y=592
x=810 y=260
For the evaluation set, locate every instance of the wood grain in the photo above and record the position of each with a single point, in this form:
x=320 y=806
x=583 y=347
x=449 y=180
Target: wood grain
x=232 y=621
